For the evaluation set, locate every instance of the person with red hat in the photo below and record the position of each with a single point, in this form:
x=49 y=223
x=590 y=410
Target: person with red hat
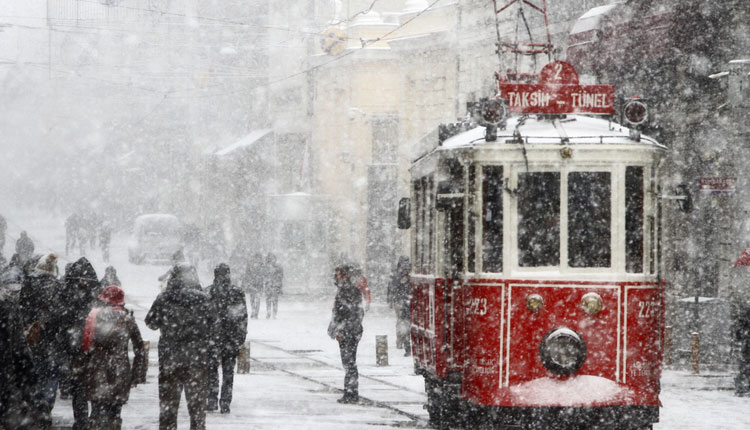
x=108 y=375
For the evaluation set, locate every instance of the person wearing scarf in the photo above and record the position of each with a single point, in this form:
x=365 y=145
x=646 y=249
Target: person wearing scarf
x=108 y=375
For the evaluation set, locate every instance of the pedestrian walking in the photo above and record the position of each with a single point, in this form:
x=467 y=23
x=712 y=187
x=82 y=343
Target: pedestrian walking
x=108 y=374
x=273 y=285
x=105 y=237
x=74 y=300
x=18 y=377
x=37 y=307
x=72 y=232
x=3 y=231
x=346 y=328
x=110 y=278
x=399 y=299
x=182 y=314
x=24 y=247
x=229 y=332
x=742 y=336
x=252 y=283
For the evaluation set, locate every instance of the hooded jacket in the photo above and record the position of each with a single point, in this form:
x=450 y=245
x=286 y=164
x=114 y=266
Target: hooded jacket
x=75 y=300
x=108 y=374
x=182 y=314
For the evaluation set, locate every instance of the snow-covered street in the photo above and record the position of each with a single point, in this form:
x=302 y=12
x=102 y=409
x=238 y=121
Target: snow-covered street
x=296 y=374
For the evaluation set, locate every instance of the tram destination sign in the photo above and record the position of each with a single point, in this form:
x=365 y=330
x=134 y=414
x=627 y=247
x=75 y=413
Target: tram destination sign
x=558 y=92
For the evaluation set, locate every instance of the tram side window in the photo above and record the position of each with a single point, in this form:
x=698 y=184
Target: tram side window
x=634 y=219
x=539 y=219
x=492 y=219
x=589 y=219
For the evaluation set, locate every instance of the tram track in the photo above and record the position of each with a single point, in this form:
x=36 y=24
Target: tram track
x=416 y=420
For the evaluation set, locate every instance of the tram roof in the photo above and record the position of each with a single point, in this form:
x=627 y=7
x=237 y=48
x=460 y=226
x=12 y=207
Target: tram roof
x=573 y=130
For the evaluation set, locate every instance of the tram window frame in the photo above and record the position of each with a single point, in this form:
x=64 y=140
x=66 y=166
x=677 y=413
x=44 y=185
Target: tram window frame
x=527 y=257
x=635 y=219
x=418 y=230
x=472 y=218
x=587 y=248
x=493 y=226
x=452 y=207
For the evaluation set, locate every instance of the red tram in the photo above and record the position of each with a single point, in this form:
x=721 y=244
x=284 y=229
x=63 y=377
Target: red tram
x=536 y=293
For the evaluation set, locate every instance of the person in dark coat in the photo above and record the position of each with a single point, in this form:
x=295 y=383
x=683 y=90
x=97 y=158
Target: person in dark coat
x=273 y=285
x=24 y=247
x=108 y=374
x=346 y=328
x=75 y=300
x=183 y=315
x=110 y=278
x=742 y=335
x=252 y=283
x=229 y=332
x=38 y=313
x=18 y=377
x=399 y=299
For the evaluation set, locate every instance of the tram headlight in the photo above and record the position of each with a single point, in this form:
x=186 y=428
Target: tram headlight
x=563 y=351
x=534 y=302
x=591 y=303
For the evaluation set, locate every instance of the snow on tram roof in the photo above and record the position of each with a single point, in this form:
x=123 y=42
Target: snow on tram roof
x=577 y=129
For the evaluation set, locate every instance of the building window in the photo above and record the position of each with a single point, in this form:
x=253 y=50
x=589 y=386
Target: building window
x=589 y=219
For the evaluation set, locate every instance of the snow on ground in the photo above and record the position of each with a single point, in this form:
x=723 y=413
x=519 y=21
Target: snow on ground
x=272 y=397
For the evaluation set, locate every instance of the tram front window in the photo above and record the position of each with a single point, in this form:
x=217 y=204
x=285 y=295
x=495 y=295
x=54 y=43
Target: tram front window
x=589 y=219
x=492 y=211
x=539 y=219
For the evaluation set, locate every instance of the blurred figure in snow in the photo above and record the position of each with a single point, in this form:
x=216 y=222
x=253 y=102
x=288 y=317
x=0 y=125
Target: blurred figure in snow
x=183 y=315
x=72 y=232
x=110 y=278
x=105 y=236
x=24 y=247
x=229 y=332
x=399 y=299
x=272 y=285
x=108 y=374
x=3 y=231
x=346 y=329
x=252 y=282
x=361 y=282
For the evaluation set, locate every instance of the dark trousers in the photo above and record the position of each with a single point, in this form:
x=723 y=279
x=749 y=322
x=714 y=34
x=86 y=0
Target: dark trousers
x=272 y=305
x=171 y=383
x=80 y=405
x=105 y=416
x=227 y=362
x=348 y=348
x=254 y=304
